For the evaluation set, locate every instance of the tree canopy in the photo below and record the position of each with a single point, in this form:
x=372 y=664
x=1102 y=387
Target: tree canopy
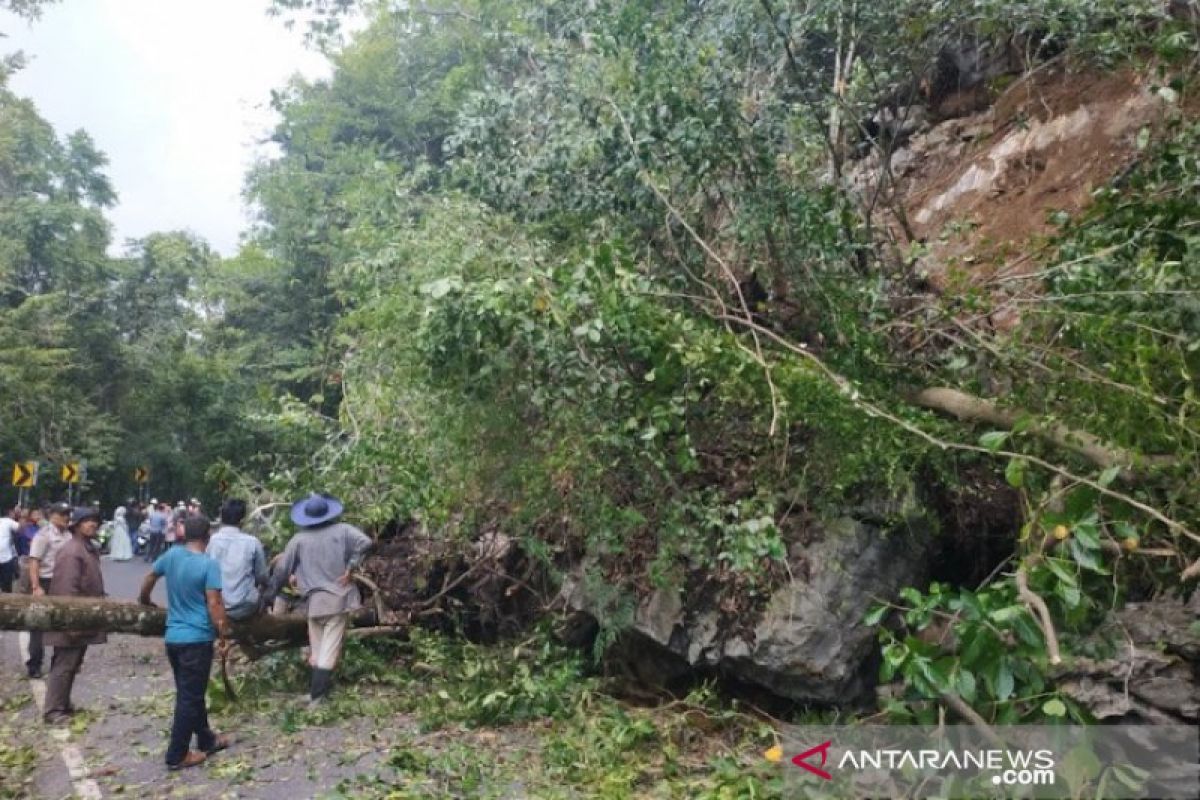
x=614 y=278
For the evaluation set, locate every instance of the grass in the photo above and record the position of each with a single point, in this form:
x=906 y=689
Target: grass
x=17 y=761
x=460 y=720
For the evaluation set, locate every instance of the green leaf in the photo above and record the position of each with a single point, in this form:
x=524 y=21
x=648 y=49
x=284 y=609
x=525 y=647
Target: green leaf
x=1109 y=475
x=895 y=654
x=1080 y=766
x=1007 y=614
x=1131 y=776
x=1070 y=595
x=1029 y=633
x=1004 y=680
x=442 y=287
x=965 y=683
x=1086 y=558
x=993 y=440
x=1088 y=535
x=1054 y=708
x=1014 y=473
x=875 y=615
x=937 y=674
x=979 y=647
x=1055 y=565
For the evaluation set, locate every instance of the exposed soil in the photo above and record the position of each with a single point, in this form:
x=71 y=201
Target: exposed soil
x=980 y=191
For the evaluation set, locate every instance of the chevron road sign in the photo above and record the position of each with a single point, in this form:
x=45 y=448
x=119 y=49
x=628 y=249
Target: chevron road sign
x=141 y=475
x=70 y=472
x=24 y=474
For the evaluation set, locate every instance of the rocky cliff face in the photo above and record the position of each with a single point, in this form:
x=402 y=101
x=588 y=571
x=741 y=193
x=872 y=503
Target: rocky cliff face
x=808 y=644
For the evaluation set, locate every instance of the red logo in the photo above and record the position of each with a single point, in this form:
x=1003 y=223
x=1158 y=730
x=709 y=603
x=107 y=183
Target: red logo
x=823 y=749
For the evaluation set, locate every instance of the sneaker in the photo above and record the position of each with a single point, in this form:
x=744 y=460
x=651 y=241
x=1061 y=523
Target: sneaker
x=35 y=674
x=57 y=718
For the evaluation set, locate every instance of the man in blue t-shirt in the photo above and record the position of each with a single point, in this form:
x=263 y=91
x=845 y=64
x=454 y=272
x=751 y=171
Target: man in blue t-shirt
x=195 y=616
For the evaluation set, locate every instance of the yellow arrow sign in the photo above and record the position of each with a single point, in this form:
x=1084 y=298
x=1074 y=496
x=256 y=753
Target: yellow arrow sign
x=70 y=472
x=141 y=475
x=24 y=474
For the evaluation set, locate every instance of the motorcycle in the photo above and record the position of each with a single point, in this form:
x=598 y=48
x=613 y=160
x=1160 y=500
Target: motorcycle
x=104 y=536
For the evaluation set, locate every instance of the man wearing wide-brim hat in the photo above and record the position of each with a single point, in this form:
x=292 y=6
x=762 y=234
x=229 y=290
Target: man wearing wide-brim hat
x=76 y=574
x=322 y=556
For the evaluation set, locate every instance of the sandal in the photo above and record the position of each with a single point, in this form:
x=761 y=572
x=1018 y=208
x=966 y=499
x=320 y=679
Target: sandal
x=221 y=742
x=194 y=758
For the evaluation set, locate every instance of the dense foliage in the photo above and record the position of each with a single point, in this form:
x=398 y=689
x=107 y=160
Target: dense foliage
x=594 y=273
x=606 y=285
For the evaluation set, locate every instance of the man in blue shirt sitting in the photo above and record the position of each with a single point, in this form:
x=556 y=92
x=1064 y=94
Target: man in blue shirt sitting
x=195 y=616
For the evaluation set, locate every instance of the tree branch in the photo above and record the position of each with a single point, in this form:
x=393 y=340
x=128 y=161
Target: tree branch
x=1037 y=605
x=970 y=408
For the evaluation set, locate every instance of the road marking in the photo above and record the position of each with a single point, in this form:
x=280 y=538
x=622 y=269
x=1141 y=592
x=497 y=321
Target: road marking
x=85 y=787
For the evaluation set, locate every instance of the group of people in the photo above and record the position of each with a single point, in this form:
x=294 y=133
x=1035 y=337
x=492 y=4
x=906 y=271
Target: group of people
x=146 y=530
x=212 y=580
x=17 y=530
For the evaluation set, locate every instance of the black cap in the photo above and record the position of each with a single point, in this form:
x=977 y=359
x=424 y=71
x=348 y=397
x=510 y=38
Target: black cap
x=82 y=514
x=59 y=508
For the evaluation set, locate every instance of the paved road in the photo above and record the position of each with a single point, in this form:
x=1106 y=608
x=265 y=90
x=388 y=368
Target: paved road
x=126 y=685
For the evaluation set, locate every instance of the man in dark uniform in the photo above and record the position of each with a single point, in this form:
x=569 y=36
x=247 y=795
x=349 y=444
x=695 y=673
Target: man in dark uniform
x=76 y=574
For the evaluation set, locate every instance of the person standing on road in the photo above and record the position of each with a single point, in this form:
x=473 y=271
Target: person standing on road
x=195 y=617
x=157 y=526
x=76 y=574
x=10 y=531
x=243 y=562
x=322 y=556
x=43 y=553
x=174 y=531
x=133 y=521
x=118 y=546
x=31 y=523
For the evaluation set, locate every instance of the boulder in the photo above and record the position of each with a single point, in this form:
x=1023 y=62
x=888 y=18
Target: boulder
x=807 y=644
x=1153 y=676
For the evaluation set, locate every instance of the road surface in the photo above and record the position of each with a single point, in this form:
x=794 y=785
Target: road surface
x=126 y=687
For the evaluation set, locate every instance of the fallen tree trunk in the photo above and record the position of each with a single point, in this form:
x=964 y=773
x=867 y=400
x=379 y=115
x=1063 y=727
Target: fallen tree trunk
x=26 y=613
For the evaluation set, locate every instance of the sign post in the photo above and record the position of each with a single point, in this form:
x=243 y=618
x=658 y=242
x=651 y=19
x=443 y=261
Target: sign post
x=24 y=477
x=71 y=473
x=141 y=475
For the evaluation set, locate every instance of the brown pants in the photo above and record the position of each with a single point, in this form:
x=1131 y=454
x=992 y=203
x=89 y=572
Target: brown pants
x=64 y=666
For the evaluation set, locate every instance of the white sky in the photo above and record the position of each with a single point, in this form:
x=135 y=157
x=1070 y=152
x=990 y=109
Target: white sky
x=175 y=92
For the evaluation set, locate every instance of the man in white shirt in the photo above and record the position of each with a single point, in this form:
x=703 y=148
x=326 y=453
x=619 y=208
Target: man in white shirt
x=43 y=551
x=9 y=530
